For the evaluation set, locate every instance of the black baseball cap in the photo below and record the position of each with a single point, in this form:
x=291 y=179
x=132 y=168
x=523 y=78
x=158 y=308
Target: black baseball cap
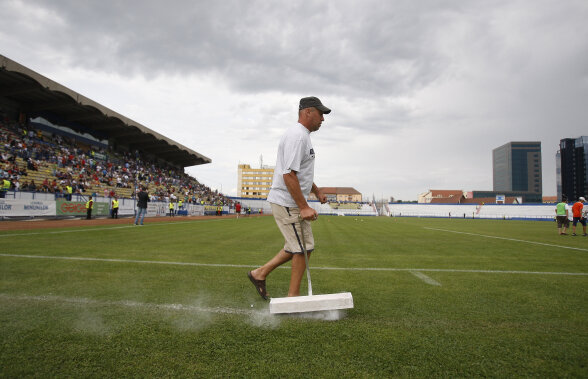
x=313 y=102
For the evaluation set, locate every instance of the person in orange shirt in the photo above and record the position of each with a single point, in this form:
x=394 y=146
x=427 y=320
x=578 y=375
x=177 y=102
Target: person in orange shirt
x=578 y=215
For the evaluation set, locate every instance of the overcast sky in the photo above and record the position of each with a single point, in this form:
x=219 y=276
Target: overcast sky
x=421 y=91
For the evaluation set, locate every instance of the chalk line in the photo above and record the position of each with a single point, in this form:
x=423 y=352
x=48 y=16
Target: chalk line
x=287 y=267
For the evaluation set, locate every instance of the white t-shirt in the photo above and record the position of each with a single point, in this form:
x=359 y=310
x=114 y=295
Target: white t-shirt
x=295 y=153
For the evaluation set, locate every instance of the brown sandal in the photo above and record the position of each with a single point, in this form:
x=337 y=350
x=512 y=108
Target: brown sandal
x=259 y=285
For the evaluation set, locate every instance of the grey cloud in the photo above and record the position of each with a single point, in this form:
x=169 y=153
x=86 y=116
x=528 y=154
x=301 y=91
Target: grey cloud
x=340 y=47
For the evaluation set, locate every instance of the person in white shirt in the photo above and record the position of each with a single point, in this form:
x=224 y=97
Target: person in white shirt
x=292 y=183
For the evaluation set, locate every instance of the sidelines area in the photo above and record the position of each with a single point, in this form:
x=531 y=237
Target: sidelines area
x=124 y=226
x=505 y=238
x=392 y=269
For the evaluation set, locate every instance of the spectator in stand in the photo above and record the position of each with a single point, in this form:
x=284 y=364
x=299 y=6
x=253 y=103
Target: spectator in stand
x=578 y=215
x=32 y=186
x=142 y=200
x=5 y=186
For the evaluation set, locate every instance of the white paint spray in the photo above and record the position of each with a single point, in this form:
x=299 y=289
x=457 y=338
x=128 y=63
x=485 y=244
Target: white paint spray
x=425 y=278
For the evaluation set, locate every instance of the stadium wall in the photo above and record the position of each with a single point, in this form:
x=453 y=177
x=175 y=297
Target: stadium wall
x=28 y=204
x=37 y=206
x=322 y=209
x=488 y=211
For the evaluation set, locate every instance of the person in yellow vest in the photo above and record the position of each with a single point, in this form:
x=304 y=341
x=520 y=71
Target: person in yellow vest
x=180 y=205
x=115 y=207
x=69 y=190
x=171 y=209
x=89 y=206
x=4 y=188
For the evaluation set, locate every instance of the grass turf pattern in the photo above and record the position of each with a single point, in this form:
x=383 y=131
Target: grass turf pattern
x=116 y=316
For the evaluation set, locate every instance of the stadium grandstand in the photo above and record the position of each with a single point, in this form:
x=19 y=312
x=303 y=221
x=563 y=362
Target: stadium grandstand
x=52 y=138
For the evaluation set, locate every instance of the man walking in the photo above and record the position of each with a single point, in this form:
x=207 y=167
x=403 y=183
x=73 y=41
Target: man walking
x=292 y=182
x=561 y=216
x=578 y=216
x=142 y=200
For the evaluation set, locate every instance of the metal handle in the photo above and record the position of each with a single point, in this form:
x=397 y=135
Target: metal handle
x=292 y=220
x=305 y=257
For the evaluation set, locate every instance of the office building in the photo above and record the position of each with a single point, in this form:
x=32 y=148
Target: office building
x=572 y=168
x=254 y=183
x=517 y=169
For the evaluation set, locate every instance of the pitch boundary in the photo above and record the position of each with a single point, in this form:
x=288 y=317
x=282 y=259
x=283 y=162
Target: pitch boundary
x=506 y=239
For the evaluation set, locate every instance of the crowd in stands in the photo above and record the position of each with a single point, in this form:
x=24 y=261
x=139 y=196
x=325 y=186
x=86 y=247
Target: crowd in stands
x=69 y=166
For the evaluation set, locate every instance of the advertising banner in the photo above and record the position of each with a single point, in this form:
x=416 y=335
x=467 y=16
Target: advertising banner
x=17 y=208
x=78 y=208
x=210 y=210
x=157 y=209
x=126 y=207
x=195 y=210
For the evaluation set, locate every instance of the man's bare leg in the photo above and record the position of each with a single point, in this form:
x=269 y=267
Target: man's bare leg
x=262 y=272
x=298 y=267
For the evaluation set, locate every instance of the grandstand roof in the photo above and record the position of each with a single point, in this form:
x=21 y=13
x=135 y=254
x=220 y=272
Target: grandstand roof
x=37 y=95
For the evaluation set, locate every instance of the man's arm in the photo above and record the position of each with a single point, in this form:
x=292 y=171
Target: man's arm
x=293 y=185
x=319 y=194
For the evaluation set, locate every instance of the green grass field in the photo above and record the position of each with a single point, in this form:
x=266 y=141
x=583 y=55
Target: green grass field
x=173 y=300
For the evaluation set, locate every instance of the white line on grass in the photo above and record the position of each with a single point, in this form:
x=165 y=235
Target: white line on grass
x=128 y=261
x=425 y=278
x=83 y=230
x=125 y=303
x=507 y=239
x=314 y=268
x=65 y=231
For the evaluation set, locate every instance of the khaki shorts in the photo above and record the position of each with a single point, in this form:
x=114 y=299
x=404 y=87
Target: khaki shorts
x=293 y=243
